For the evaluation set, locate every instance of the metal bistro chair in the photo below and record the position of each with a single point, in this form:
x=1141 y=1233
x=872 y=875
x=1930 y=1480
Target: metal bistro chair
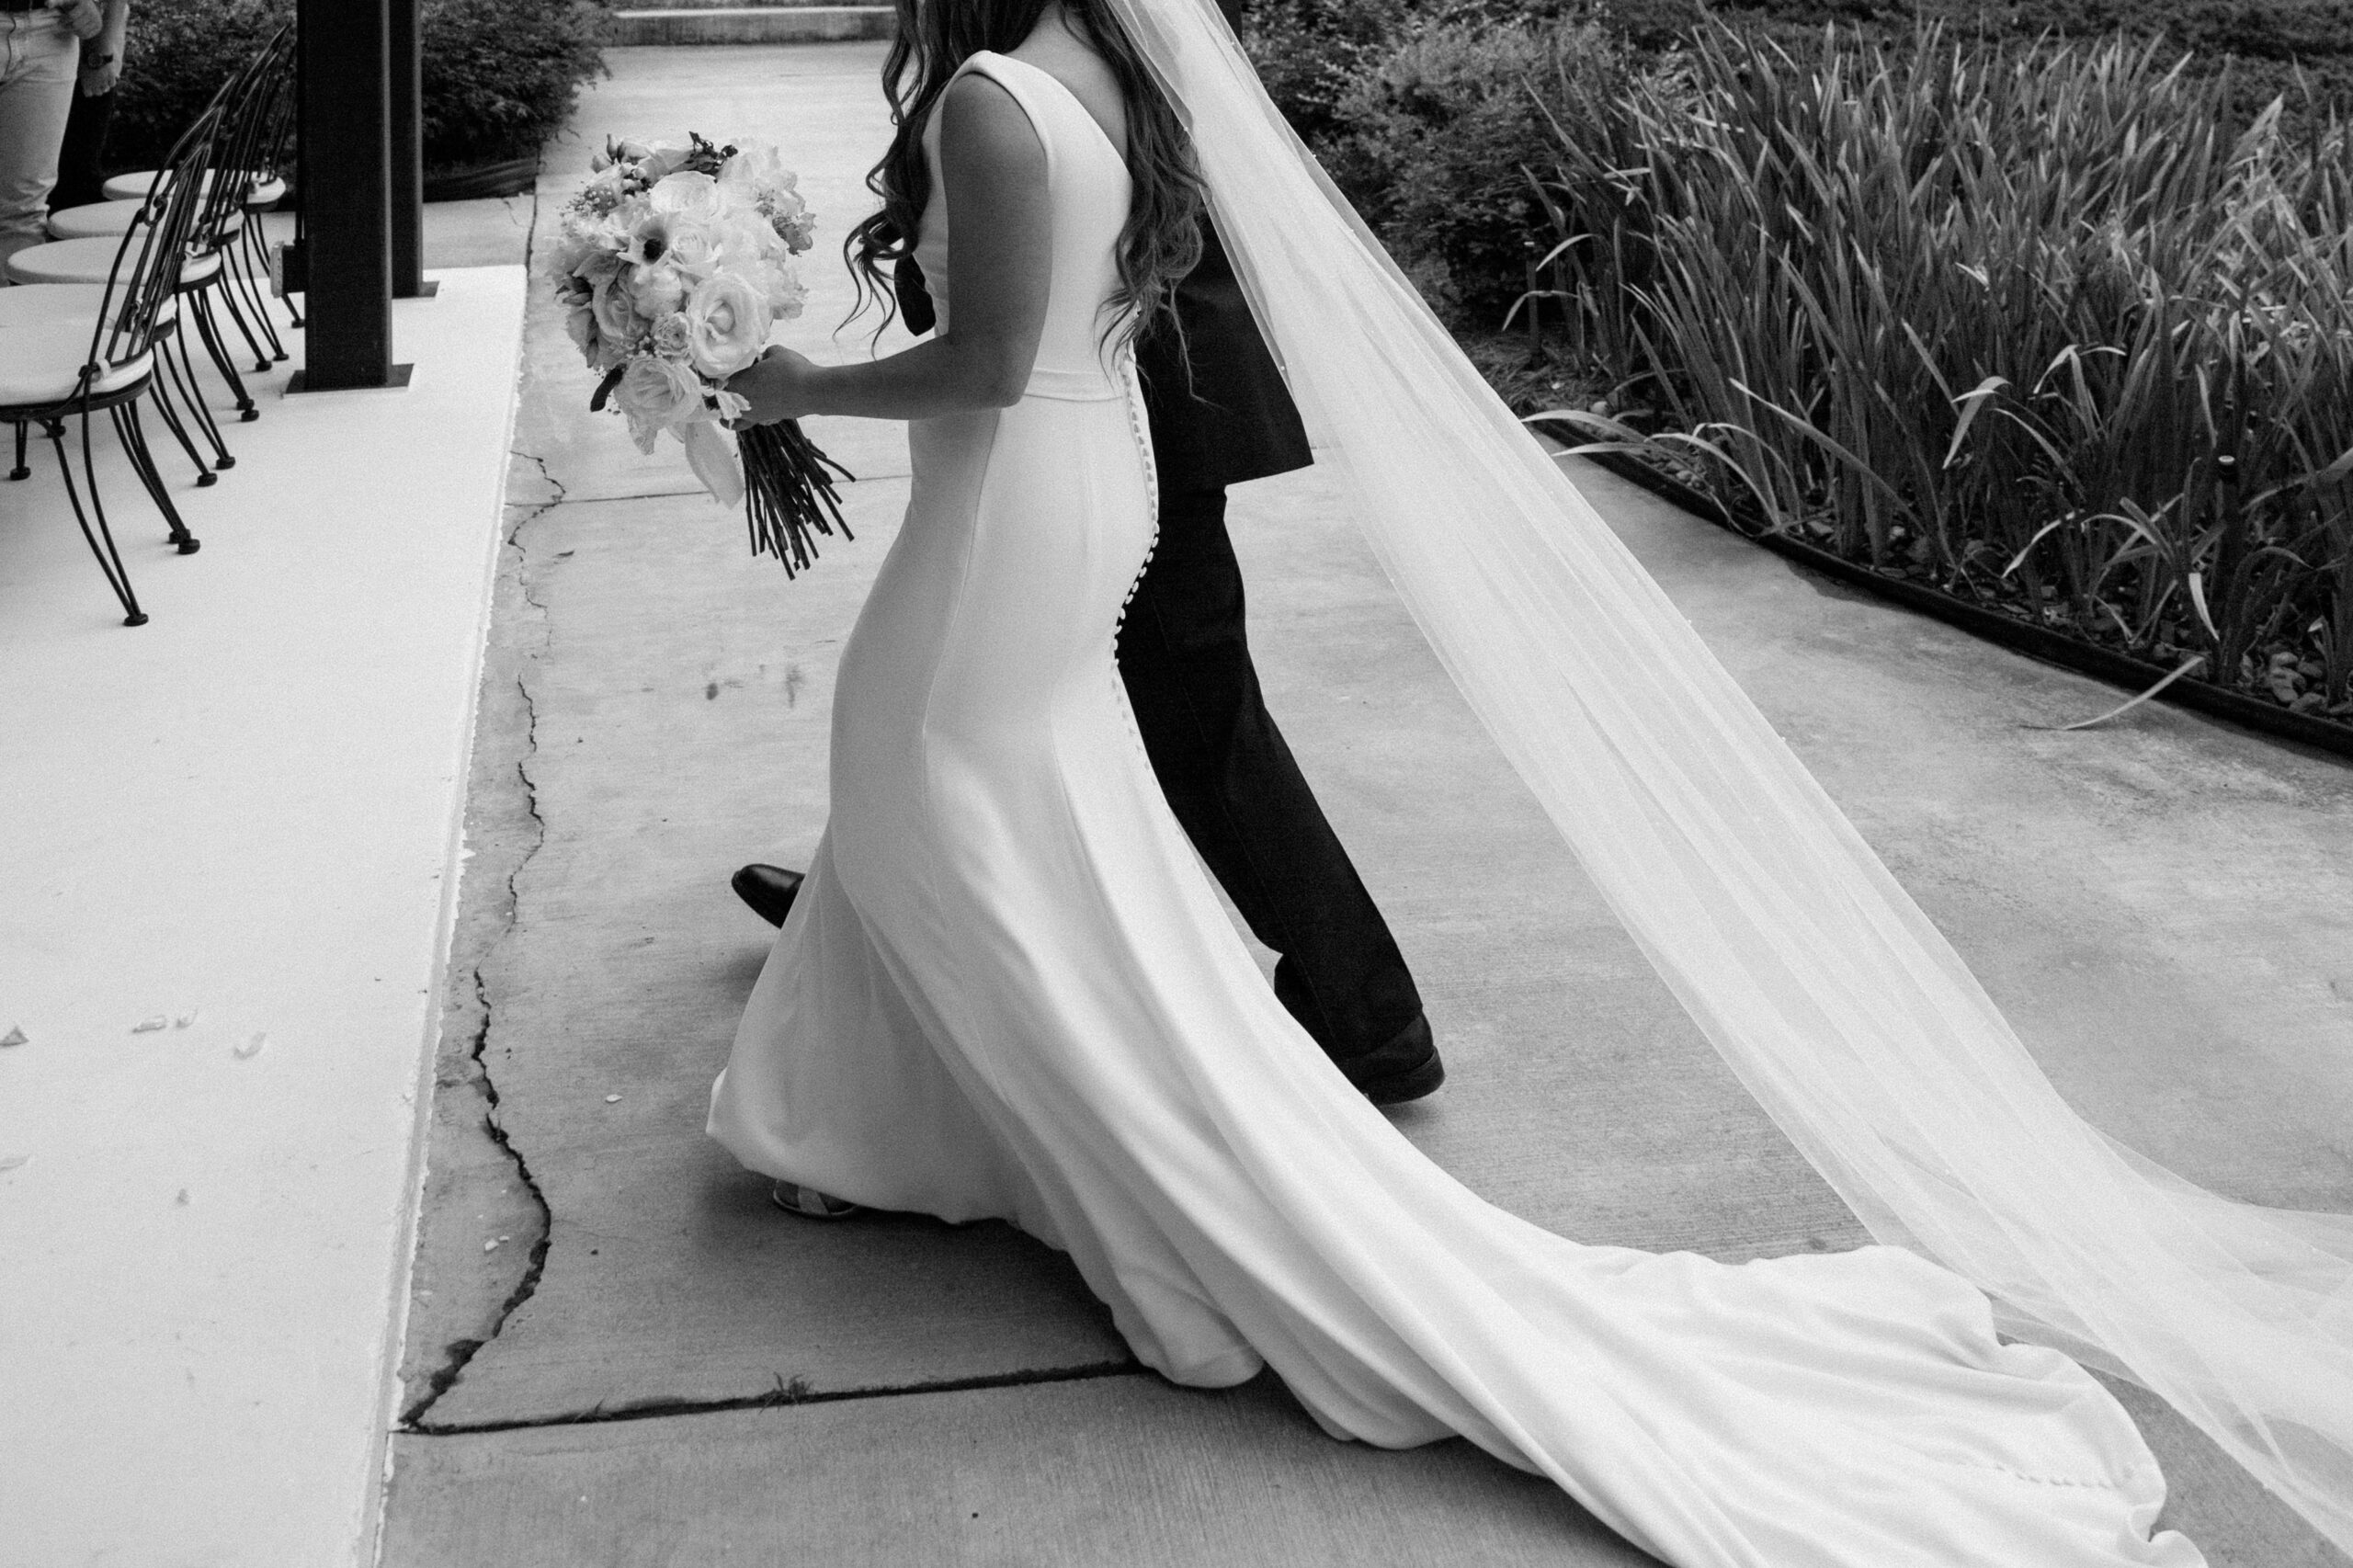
x=73 y=364
x=247 y=103
x=272 y=129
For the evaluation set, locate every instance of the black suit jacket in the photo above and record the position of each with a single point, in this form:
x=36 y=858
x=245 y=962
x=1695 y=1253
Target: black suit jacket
x=1236 y=420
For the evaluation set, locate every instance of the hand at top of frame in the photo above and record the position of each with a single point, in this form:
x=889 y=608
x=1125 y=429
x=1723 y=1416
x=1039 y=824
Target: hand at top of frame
x=777 y=385
x=83 y=15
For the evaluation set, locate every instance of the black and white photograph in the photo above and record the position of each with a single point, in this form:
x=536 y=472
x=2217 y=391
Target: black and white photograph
x=1177 y=784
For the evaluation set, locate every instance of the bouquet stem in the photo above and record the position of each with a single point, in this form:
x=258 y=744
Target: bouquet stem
x=788 y=493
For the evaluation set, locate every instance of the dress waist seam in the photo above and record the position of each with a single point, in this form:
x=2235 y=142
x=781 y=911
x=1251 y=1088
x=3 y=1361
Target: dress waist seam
x=1074 y=386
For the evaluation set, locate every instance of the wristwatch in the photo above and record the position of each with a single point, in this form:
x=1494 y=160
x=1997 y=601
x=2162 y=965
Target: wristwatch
x=102 y=60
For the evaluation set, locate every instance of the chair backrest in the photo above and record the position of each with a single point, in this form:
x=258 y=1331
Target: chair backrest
x=254 y=109
x=155 y=247
x=275 y=123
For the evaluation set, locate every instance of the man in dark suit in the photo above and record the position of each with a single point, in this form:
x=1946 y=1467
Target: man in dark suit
x=1186 y=660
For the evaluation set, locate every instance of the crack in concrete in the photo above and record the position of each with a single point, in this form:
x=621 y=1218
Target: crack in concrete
x=458 y=1354
x=786 y=1392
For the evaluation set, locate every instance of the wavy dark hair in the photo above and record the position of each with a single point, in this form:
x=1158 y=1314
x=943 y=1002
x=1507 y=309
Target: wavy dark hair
x=1162 y=239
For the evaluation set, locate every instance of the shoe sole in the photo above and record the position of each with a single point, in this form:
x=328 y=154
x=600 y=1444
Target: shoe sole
x=1417 y=1083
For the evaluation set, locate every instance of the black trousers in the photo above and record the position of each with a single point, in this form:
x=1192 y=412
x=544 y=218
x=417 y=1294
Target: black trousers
x=81 y=160
x=1234 y=785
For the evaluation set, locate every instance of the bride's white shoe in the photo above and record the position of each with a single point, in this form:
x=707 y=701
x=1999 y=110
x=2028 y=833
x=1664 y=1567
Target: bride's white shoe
x=810 y=1204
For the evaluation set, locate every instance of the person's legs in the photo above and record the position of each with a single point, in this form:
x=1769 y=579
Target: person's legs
x=81 y=161
x=1234 y=786
x=38 y=56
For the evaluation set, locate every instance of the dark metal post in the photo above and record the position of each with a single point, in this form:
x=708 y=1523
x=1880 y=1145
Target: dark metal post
x=346 y=160
x=408 y=155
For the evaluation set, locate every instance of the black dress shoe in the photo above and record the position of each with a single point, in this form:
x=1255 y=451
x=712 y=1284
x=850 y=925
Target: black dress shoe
x=769 y=890
x=1405 y=1068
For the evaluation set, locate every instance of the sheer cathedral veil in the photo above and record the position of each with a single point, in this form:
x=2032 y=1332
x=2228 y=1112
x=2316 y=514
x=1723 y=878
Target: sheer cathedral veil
x=1839 y=1005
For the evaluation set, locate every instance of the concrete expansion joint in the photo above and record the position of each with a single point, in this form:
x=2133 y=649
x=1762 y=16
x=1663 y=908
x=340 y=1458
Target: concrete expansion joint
x=787 y=1392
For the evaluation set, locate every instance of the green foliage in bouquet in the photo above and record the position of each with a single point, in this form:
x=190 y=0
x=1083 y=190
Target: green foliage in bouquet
x=499 y=76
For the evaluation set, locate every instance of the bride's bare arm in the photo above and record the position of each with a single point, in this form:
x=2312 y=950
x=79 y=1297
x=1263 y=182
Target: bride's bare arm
x=997 y=213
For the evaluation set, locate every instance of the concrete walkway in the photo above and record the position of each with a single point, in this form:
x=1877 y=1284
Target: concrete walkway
x=618 y=1354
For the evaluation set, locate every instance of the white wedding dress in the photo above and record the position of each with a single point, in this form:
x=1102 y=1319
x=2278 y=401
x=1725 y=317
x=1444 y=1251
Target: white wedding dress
x=1007 y=990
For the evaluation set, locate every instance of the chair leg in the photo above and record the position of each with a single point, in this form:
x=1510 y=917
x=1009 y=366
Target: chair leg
x=248 y=283
x=21 y=471
x=101 y=543
x=227 y=289
x=199 y=305
x=191 y=393
x=204 y=475
x=133 y=436
x=257 y=257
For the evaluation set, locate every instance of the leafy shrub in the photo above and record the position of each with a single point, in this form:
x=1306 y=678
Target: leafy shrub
x=2041 y=302
x=1310 y=53
x=1430 y=133
x=498 y=74
x=175 y=57
x=2078 y=351
x=2270 y=48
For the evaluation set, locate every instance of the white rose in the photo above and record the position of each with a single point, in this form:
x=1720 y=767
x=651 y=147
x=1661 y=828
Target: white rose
x=728 y=321
x=655 y=395
x=744 y=242
x=756 y=167
x=694 y=248
x=657 y=161
x=616 y=311
x=688 y=194
x=657 y=290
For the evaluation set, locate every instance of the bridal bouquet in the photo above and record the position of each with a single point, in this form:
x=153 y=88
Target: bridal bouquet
x=675 y=263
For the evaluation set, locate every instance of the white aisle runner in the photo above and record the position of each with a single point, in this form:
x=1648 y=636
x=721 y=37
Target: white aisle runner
x=242 y=815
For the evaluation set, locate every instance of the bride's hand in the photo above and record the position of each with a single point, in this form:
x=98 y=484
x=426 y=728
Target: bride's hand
x=777 y=385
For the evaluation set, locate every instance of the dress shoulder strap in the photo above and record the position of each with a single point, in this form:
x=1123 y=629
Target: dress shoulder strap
x=1054 y=111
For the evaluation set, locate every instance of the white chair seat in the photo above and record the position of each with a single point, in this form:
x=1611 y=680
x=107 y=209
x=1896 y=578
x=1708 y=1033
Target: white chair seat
x=90 y=260
x=137 y=184
x=40 y=363
x=113 y=218
x=130 y=186
x=95 y=218
x=36 y=307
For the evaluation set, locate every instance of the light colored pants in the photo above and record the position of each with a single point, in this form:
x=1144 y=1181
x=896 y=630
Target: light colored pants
x=38 y=57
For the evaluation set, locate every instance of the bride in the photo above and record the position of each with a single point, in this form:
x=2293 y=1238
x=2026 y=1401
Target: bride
x=1007 y=988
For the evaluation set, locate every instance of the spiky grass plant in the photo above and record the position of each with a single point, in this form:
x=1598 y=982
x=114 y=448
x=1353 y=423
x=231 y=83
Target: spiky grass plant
x=2029 y=326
